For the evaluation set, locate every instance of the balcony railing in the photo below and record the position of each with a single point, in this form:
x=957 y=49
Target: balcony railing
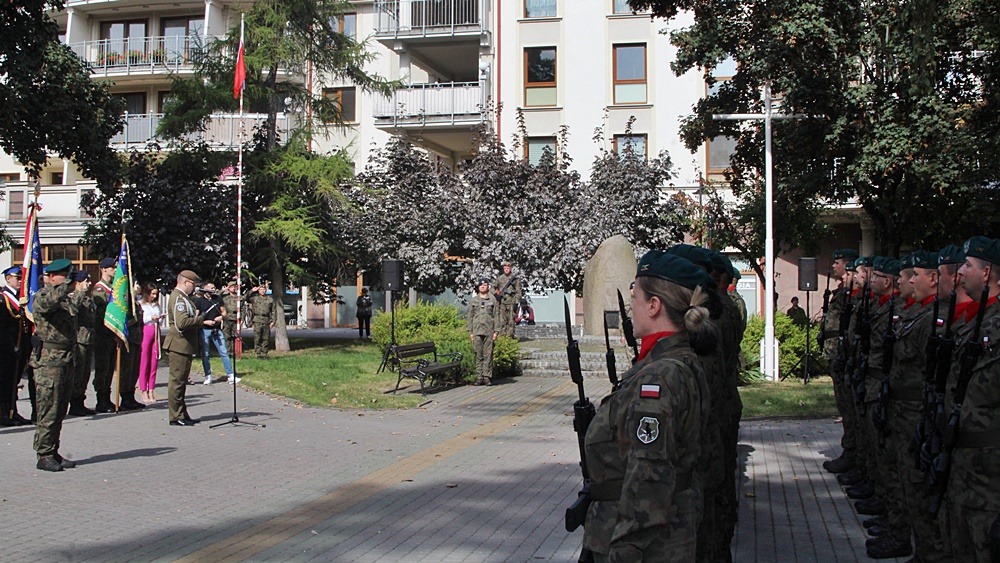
x=427 y=17
x=140 y=54
x=446 y=102
x=222 y=132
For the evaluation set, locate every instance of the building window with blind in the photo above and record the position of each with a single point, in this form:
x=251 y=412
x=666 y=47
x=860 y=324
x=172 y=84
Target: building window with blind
x=719 y=149
x=634 y=144
x=347 y=24
x=15 y=204
x=538 y=146
x=540 y=76
x=539 y=8
x=345 y=104
x=630 y=74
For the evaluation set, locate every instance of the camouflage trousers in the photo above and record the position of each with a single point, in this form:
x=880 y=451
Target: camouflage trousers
x=261 y=337
x=53 y=378
x=966 y=531
x=506 y=315
x=844 y=398
x=81 y=372
x=483 y=346
x=228 y=333
x=711 y=472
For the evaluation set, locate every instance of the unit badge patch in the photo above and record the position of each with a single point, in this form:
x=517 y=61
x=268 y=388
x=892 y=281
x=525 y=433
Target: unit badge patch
x=649 y=430
x=181 y=307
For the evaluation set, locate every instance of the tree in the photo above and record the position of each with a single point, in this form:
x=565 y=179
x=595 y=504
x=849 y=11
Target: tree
x=198 y=234
x=894 y=96
x=292 y=191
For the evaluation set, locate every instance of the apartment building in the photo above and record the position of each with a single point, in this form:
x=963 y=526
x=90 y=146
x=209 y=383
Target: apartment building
x=586 y=64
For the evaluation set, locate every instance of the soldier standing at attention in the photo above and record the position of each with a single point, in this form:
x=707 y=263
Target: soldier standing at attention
x=55 y=313
x=831 y=331
x=85 y=319
x=734 y=294
x=229 y=299
x=507 y=288
x=181 y=344
x=262 y=308
x=104 y=340
x=645 y=439
x=483 y=325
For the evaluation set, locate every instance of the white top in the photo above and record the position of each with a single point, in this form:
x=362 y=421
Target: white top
x=150 y=310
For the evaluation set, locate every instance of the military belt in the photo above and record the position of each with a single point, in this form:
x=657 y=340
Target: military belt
x=828 y=334
x=612 y=490
x=906 y=395
x=57 y=346
x=978 y=440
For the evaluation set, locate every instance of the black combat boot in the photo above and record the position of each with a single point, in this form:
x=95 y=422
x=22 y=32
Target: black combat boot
x=861 y=491
x=49 y=463
x=870 y=507
x=852 y=477
x=842 y=464
x=77 y=408
x=65 y=463
x=888 y=547
x=104 y=404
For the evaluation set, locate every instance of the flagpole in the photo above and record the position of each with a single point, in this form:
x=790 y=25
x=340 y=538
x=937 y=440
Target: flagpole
x=238 y=341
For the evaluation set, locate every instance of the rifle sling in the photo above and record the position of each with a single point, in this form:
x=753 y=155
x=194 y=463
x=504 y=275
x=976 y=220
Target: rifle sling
x=612 y=490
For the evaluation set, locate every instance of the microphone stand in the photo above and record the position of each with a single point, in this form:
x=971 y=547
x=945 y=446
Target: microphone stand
x=236 y=419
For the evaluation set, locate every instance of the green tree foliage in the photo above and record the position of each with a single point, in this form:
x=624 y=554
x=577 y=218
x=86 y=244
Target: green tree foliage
x=896 y=101
x=200 y=231
x=48 y=102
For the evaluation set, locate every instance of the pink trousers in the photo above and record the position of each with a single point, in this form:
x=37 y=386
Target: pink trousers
x=149 y=358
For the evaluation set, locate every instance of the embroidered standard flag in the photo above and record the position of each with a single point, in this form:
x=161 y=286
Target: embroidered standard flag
x=120 y=301
x=651 y=391
x=31 y=267
x=240 y=78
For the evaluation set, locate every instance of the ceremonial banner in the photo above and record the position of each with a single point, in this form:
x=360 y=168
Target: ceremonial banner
x=120 y=302
x=240 y=78
x=31 y=267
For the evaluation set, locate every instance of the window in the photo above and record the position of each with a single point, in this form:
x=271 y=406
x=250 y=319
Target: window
x=345 y=100
x=163 y=98
x=540 y=76
x=81 y=256
x=348 y=24
x=630 y=74
x=83 y=212
x=135 y=103
x=634 y=143
x=539 y=8
x=15 y=204
x=124 y=42
x=621 y=7
x=9 y=177
x=180 y=36
x=537 y=146
x=720 y=148
x=57 y=178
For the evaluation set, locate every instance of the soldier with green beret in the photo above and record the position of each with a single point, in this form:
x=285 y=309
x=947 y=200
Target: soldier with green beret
x=181 y=344
x=483 y=324
x=507 y=288
x=105 y=341
x=841 y=271
x=55 y=311
x=643 y=445
x=87 y=321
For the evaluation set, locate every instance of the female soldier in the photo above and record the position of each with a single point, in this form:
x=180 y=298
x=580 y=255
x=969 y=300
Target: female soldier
x=643 y=444
x=483 y=323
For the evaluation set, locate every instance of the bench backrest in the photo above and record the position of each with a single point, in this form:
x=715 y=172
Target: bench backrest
x=414 y=350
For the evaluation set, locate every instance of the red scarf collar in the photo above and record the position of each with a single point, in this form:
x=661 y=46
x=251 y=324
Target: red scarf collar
x=973 y=309
x=883 y=299
x=650 y=340
x=909 y=302
x=927 y=301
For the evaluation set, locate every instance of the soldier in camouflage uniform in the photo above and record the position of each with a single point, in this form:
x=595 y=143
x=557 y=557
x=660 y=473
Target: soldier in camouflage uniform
x=55 y=313
x=972 y=500
x=507 y=288
x=829 y=341
x=736 y=297
x=262 y=308
x=229 y=301
x=483 y=325
x=644 y=442
x=86 y=319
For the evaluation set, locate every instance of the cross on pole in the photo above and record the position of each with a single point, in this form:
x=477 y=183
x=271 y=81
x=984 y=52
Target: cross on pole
x=770 y=369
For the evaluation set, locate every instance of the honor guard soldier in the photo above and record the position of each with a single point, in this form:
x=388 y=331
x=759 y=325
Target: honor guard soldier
x=55 y=312
x=229 y=301
x=105 y=349
x=15 y=346
x=86 y=319
x=507 y=289
x=262 y=309
x=830 y=333
x=181 y=344
x=483 y=323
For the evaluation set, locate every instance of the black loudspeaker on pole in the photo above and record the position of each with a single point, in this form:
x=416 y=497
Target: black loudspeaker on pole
x=808 y=274
x=392 y=275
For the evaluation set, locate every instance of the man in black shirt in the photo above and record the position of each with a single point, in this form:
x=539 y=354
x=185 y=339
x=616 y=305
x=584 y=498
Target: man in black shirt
x=210 y=306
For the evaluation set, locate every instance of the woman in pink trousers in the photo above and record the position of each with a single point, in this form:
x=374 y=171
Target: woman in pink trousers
x=151 y=315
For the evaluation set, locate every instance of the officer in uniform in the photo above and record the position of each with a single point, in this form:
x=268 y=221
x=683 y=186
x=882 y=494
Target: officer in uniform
x=105 y=343
x=644 y=442
x=507 y=288
x=55 y=311
x=181 y=344
x=262 y=308
x=15 y=345
x=86 y=319
x=483 y=324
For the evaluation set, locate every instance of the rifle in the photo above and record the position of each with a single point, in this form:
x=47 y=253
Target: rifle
x=627 y=328
x=499 y=294
x=971 y=350
x=931 y=447
x=864 y=342
x=840 y=360
x=930 y=369
x=583 y=413
x=609 y=356
x=821 y=337
x=882 y=407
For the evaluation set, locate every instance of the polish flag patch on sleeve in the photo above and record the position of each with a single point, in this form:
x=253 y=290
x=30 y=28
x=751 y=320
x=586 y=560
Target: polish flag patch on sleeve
x=651 y=391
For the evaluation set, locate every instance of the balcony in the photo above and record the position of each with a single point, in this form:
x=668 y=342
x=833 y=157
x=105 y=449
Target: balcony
x=447 y=103
x=428 y=18
x=140 y=55
x=222 y=132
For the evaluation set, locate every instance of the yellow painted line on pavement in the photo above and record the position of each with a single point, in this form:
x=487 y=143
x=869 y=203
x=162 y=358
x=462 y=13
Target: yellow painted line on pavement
x=265 y=535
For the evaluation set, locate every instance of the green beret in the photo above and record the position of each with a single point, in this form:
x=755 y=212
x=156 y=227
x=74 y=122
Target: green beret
x=736 y=273
x=720 y=263
x=889 y=266
x=694 y=254
x=906 y=262
x=851 y=266
x=925 y=259
x=983 y=248
x=846 y=254
x=674 y=268
x=951 y=254
x=867 y=261
x=60 y=265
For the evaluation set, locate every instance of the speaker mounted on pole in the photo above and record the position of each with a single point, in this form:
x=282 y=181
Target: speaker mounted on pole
x=808 y=274
x=392 y=275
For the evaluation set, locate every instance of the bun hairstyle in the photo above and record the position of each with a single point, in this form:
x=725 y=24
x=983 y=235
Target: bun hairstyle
x=687 y=309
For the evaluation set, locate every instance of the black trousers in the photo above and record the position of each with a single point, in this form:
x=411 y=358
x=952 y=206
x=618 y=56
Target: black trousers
x=364 y=326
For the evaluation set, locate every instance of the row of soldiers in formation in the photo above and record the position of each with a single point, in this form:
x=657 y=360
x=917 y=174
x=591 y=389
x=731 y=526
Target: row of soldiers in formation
x=915 y=375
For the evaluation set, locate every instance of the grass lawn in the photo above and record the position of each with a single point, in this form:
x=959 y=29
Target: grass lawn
x=789 y=398
x=332 y=373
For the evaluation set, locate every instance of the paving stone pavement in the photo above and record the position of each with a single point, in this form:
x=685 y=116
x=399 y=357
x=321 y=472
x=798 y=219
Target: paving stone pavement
x=476 y=474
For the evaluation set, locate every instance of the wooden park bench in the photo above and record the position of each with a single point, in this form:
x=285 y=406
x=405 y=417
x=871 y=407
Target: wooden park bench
x=414 y=361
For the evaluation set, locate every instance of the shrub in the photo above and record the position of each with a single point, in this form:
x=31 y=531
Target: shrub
x=791 y=348
x=445 y=326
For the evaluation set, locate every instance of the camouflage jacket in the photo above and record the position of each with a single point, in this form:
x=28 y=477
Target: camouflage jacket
x=262 y=308
x=101 y=294
x=185 y=323
x=55 y=312
x=834 y=309
x=512 y=295
x=910 y=356
x=86 y=319
x=740 y=304
x=229 y=301
x=482 y=318
x=882 y=319
x=647 y=436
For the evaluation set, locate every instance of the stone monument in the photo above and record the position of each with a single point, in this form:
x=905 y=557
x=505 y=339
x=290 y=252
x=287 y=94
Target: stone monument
x=612 y=268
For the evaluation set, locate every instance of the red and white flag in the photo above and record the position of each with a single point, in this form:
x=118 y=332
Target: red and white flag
x=240 y=78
